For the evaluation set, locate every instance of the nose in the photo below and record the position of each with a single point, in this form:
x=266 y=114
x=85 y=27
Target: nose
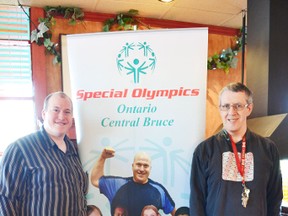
x=61 y=115
x=141 y=168
x=232 y=109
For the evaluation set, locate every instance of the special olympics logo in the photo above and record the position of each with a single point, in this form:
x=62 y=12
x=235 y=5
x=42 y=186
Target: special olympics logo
x=136 y=61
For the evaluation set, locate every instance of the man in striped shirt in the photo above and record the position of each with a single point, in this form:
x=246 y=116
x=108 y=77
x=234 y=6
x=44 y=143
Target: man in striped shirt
x=41 y=173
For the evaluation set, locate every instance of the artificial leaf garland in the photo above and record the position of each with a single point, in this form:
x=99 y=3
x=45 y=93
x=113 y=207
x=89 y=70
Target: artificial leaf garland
x=227 y=58
x=42 y=34
x=124 y=21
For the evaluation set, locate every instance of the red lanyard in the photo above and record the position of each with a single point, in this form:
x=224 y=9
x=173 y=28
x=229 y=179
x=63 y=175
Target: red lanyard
x=240 y=164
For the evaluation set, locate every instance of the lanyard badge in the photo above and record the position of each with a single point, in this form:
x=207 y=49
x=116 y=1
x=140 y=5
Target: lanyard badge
x=241 y=168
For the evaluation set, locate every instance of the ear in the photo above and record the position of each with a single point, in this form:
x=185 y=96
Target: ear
x=250 y=108
x=43 y=114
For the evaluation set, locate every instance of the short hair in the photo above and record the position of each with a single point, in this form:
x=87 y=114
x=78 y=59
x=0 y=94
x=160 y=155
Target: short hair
x=238 y=87
x=150 y=207
x=61 y=94
x=91 y=208
x=182 y=210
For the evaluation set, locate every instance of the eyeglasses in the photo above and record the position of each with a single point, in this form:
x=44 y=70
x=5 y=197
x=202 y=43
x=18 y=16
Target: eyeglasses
x=237 y=106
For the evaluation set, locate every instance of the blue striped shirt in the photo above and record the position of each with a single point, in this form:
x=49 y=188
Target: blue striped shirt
x=38 y=179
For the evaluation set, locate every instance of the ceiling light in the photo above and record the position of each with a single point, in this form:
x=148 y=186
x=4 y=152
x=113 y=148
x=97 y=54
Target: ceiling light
x=166 y=1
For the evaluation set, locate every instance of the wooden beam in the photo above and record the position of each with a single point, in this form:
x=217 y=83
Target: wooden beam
x=38 y=65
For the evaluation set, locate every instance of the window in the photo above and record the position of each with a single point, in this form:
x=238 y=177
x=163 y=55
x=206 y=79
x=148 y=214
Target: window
x=17 y=112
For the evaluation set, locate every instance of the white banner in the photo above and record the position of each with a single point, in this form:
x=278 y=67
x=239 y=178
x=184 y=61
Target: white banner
x=140 y=91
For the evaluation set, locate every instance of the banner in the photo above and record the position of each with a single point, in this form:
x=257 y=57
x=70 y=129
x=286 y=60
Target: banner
x=140 y=91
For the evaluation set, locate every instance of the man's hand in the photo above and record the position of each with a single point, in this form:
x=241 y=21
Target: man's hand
x=108 y=152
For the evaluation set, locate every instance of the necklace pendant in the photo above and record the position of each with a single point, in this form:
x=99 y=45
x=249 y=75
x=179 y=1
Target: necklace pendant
x=245 y=196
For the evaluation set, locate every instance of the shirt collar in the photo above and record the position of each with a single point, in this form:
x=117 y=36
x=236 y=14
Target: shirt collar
x=49 y=143
x=224 y=134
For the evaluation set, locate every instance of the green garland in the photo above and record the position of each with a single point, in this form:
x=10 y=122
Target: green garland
x=227 y=58
x=124 y=21
x=42 y=34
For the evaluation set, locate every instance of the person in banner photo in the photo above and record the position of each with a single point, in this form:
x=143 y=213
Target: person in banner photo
x=150 y=210
x=41 y=174
x=93 y=210
x=236 y=171
x=131 y=193
x=182 y=211
x=120 y=211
